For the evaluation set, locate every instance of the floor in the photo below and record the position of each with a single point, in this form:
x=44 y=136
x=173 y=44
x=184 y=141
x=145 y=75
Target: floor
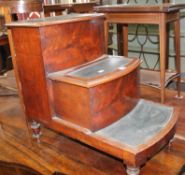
x=57 y=153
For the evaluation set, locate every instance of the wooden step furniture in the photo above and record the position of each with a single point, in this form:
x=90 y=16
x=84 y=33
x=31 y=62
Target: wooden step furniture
x=161 y=15
x=70 y=86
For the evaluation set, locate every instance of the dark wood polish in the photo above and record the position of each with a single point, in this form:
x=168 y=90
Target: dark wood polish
x=51 y=48
x=99 y=106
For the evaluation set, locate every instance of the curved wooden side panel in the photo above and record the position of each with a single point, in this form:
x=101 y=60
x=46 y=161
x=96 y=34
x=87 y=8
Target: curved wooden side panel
x=99 y=106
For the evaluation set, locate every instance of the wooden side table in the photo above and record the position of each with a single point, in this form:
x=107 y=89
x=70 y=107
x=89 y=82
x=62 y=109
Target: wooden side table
x=148 y=14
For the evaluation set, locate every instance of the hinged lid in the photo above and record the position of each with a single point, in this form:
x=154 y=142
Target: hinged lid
x=38 y=22
x=103 y=69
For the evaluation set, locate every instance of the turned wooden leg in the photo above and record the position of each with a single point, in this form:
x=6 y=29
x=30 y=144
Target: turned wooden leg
x=132 y=170
x=36 y=131
x=106 y=33
x=178 y=59
x=125 y=39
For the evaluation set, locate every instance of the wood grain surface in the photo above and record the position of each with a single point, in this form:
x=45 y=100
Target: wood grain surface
x=57 y=153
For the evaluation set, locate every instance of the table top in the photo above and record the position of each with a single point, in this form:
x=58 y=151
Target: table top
x=70 y=18
x=128 y=8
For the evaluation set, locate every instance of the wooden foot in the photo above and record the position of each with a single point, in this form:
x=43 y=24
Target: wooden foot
x=170 y=144
x=36 y=132
x=132 y=170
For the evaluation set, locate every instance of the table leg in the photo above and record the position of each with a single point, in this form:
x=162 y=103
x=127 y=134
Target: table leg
x=120 y=39
x=167 y=45
x=177 y=51
x=106 y=35
x=125 y=39
x=162 y=35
